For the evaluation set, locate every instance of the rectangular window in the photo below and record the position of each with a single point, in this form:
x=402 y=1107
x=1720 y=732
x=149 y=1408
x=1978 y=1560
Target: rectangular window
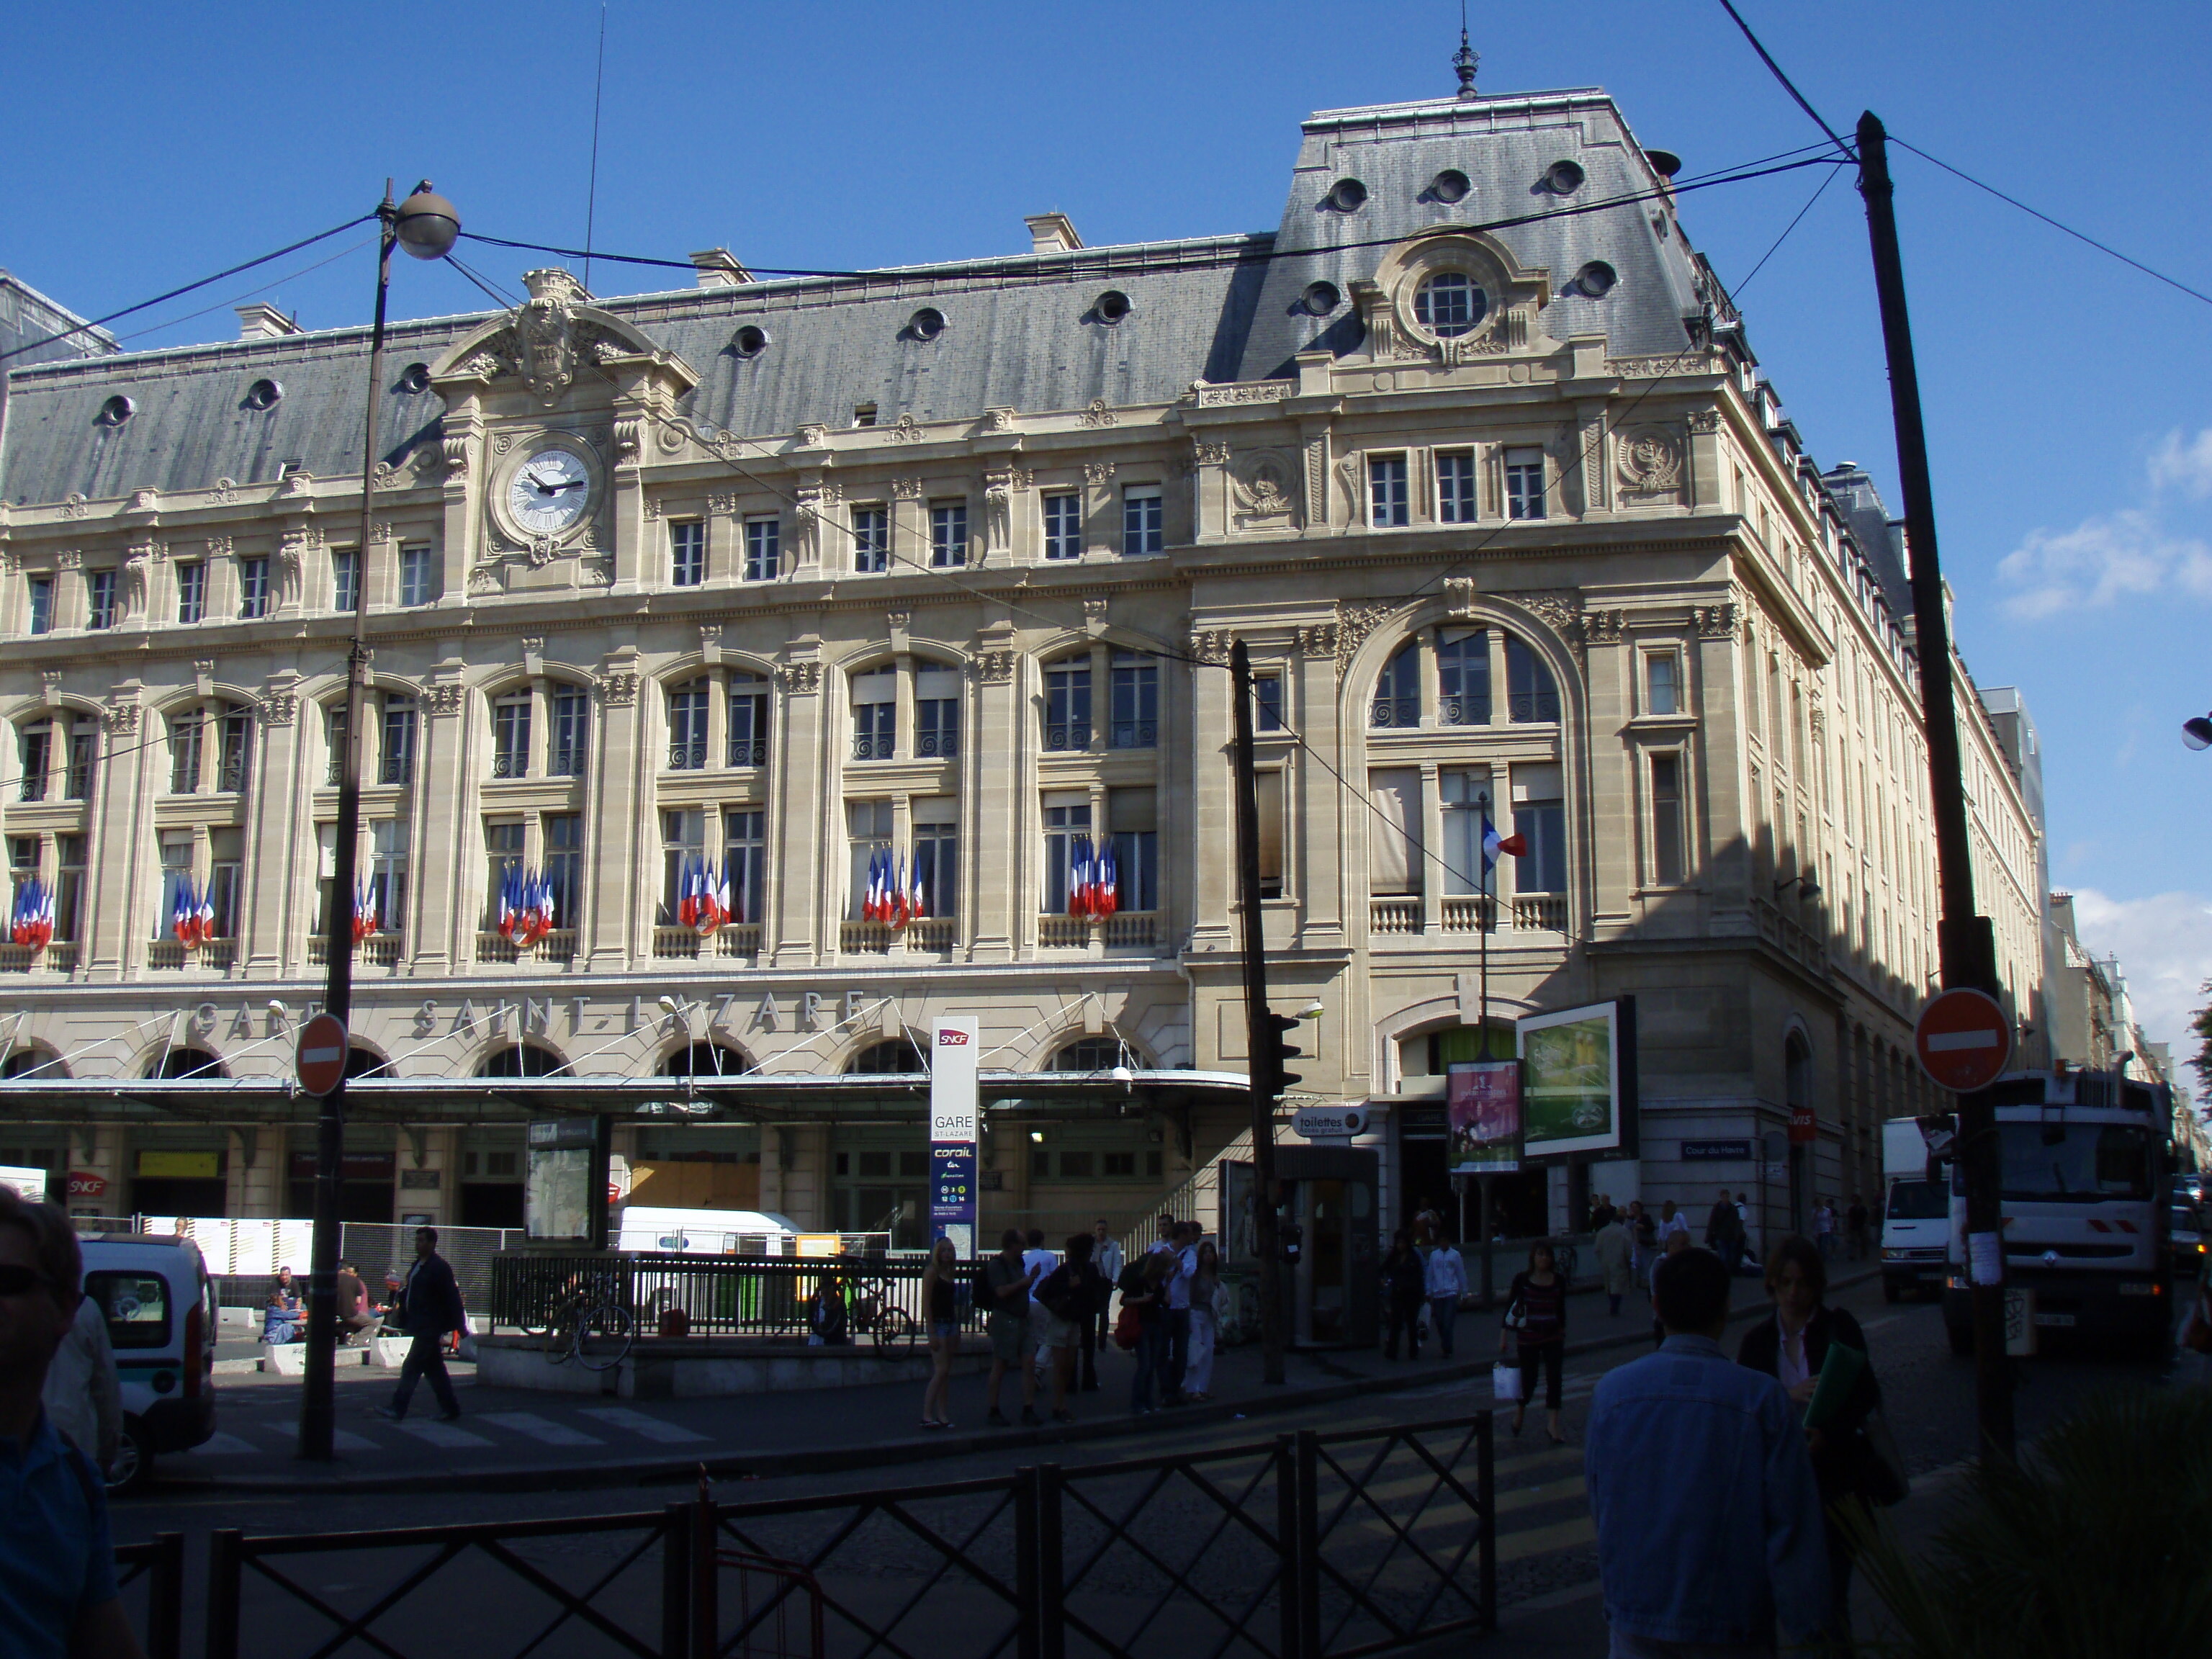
x=1136 y=723
x=1463 y=677
x=745 y=857
x=763 y=550
x=99 y=598
x=345 y=579
x=1063 y=525
x=748 y=721
x=1132 y=822
x=572 y=731
x=226 y=860
x=864 y=413
x=937 y=857
x=192 y=590
x=1117 y=1163
x=1389 y=503
x=1394 y=830
x=1269 y=789
x=868 y=827
x=1267 y=702
x=1524 y=483
x=1668 y=867
x=176 y=875
x=682 y=839
x=1143 y=525
x=1660 y=696
x=1066 y=833
x=387 y=874
x=948 y=533
x=42 y=604
x=22 y=866
x=687 y=553
x=83 y=753
x=35 y=747
x=187 y=733
x=1456 y=486
x=1067 y=706
x=564 y=863
x=1532 y=694
x=396 y=764
x=937 y=712
x=253 y=588
x=1466 y=798
x=414 y=575
x=334 y=744
x=69 y=884
x=871 y=540
x=503 y=845
x=1540 y=817
x=235 y=762
x=687 y=726
x=510 y=735
x=875 y=714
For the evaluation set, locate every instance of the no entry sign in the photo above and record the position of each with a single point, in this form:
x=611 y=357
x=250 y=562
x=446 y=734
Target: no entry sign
x=1964 y=1039
x=322 y=1056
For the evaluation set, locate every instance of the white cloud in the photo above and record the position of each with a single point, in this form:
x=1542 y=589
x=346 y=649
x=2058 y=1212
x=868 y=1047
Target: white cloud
x=2186 y=465
x=2100 y=561
x=2165 y=947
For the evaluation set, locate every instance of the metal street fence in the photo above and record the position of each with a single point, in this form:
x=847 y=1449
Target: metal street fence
x=1305 y=1546
x=727 y=1295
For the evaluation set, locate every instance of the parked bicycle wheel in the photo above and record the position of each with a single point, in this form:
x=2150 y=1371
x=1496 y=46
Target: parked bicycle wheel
x=895 y=1329
x=604 y=1340
x=561 y=1335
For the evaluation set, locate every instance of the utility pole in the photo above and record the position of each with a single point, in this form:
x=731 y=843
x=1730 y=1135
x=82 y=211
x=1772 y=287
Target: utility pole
x=1263 y=1027
x=1967 y=943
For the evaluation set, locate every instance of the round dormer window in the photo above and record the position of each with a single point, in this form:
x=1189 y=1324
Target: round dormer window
x=116 y=411
x=416 y=378
x=926 y=324
x=1111 y=306
x=1450 y=185
x=263 y=394
x=1319 y=298
x=1347 y=196
x=750 y=341
x=1596 y=280
x=1449 y=304
x=1564 y=178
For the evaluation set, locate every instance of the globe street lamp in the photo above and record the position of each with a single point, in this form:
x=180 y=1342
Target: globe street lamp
x=2198 y=734
x=426 y=225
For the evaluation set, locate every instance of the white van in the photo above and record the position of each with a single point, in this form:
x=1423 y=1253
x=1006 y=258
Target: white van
x=703 y=1232
x=161 y=1314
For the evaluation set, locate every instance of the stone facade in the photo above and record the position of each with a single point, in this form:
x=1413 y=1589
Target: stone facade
x=1537 y=558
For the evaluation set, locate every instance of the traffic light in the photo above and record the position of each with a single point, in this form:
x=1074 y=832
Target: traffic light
x=1273 y=1051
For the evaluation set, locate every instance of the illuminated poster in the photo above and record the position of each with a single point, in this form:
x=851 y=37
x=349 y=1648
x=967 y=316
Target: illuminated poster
x=1482 y=1102
x=1572 y=1085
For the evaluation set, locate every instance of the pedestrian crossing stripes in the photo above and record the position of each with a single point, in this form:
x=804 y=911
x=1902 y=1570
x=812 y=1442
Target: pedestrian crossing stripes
x=343 y=1439
x=622 y=1417
x=444 y=1436
x=539 y=1428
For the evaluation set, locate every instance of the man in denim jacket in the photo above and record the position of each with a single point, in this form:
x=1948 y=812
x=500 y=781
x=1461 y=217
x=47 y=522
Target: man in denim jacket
x=1709 y=1530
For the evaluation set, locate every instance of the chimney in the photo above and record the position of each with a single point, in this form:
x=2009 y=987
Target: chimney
x=1051 y=232
x=262 y=321
x=719 y=268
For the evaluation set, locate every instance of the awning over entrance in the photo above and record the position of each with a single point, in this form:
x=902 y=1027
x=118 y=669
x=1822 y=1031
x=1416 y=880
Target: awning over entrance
x=749 y=1097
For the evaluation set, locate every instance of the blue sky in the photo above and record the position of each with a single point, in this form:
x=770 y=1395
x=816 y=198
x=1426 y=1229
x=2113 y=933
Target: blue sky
x=2066 y=394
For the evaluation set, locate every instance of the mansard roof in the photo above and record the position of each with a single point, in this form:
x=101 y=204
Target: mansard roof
x=1023 y=331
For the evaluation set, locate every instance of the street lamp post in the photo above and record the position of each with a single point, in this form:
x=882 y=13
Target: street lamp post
x=426 y=225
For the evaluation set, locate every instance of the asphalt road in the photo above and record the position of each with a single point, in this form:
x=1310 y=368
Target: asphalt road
x=1548 y=1575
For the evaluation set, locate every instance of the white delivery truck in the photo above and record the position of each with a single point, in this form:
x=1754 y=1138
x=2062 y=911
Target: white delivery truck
x=1915 y=1214
x=704 y=1232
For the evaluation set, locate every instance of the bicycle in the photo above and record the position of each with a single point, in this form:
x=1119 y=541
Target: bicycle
x=874 y=1312
x=590 y=1328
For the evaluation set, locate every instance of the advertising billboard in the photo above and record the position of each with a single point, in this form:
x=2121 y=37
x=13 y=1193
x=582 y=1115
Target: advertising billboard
x=953 y=1049
x=1579 y=1080
x=1482 y=1106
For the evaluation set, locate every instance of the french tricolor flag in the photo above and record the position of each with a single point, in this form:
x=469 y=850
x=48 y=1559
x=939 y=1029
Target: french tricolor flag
x=34 y=921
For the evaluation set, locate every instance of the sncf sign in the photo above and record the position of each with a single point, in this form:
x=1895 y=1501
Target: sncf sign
x=949 y=1039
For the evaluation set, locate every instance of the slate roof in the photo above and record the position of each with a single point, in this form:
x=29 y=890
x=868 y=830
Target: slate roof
x=1021 y=331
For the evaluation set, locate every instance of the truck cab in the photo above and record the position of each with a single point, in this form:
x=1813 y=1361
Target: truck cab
x=2084 y=1191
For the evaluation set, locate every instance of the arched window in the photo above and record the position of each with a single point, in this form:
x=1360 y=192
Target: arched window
x=898 y=1057
x=686 y=724
x=523 y=1060
x=359 y=1062
x=704 y=1060
x=748 y=719
x=58 y=752
x=1463 y=677
x=1532 y=694
x=184 y=1063
x=1398 y=691
x=211 y=749
x=1098 y=1053
x=32 y=1064
x=1067 y=703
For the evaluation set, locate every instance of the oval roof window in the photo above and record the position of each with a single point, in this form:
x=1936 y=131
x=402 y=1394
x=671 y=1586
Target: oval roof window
x=263 y=394
x=1449 y=304
x=116 y=411
x=1563 y=178
x=416 y=378
x=749 y=340
x=926 y=324
x=1450 y=185
x=1111 y=306
x=1596 y=280
x=1319 y=298
x=1347 y=196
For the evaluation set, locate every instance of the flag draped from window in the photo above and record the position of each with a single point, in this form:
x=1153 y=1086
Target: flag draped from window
x=1094 y=883
x=33 y=923
x=364 y=911
x=191 y=918
x=702 y=897
x=510 y=901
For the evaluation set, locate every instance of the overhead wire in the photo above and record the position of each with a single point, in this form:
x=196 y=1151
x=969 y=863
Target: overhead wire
x=277 y=282
x=1788 y=85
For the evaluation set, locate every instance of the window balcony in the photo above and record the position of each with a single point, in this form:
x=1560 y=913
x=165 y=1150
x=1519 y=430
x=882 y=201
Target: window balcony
x=216 y=953
x=1398 y=913
x=1539 y=913
x=937 y=745
x=377 y=951
x=1071 y=737
x=1394 y=714
x=747 y=753
x=930 y=933
x=566 y=763
x=1469 y=913
x=1134 y=734
x=684 y=756
x=507 y=764
x=875 y=749
x=735 y=939
x=59 y=956
x=1462 y=711
x=1123 y=930
x=396 y=768
x=559 y=946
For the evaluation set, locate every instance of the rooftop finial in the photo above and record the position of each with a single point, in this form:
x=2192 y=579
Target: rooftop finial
x=1465 y=59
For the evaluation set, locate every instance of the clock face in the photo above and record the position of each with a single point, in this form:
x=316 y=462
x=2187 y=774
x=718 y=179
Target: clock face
x=550 y=492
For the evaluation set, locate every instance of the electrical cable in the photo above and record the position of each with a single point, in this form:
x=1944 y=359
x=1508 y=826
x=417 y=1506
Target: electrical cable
x=174 y=292
x=1787 y=86
x=291 y=275
x=499 y=297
